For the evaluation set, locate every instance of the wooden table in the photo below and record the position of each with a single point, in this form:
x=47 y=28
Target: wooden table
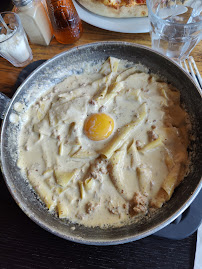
x=23 y=244
x=9 y=73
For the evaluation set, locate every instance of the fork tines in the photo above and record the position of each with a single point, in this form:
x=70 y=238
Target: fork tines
x=190 y=66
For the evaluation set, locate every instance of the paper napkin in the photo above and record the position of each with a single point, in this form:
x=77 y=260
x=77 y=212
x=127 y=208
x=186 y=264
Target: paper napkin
x=198 y=254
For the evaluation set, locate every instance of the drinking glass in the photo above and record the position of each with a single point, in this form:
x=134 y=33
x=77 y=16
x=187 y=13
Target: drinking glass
x=14 y=45
x=176 y=26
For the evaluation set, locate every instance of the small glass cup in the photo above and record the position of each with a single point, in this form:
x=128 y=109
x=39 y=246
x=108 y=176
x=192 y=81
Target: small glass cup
x=176 y=26
x=14 y=45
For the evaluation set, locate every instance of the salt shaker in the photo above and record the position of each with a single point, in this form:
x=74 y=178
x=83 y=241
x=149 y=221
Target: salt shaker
x=67 y=26
x=35 y=21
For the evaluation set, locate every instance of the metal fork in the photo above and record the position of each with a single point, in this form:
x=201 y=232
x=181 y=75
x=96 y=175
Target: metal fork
x=190 y=67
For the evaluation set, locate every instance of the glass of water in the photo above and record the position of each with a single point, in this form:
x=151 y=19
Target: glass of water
x=176 y=26
x=14 y=45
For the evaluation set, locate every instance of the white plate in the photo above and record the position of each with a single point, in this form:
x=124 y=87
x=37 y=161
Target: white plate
x=124 y=25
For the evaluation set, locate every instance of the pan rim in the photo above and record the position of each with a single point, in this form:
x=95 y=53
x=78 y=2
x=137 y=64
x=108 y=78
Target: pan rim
x=42 y=223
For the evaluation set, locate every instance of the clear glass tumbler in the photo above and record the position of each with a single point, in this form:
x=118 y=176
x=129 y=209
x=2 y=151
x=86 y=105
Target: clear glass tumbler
x=14 y=45
x=176 y=26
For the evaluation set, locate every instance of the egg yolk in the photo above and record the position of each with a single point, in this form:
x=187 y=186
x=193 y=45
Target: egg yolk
x=98 y=126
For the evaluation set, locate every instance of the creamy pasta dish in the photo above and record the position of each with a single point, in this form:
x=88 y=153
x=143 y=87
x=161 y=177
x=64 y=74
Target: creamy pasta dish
x=105 y=146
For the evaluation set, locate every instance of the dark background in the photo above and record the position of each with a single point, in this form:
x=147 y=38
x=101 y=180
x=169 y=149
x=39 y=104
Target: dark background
x=5 y=5
x=23 y=244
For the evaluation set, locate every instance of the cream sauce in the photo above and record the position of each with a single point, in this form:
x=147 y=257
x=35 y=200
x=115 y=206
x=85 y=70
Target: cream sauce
x=66 y=168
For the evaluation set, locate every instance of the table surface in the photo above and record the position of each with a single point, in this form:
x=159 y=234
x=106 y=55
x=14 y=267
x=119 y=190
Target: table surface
x=23 y=244
x=9 y=73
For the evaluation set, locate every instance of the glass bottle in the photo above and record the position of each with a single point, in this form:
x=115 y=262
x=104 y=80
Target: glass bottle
x=35 y=21
x=67 y=26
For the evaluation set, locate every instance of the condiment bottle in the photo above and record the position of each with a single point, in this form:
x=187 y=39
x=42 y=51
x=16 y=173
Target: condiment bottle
x=67 y=26
x=35 y=21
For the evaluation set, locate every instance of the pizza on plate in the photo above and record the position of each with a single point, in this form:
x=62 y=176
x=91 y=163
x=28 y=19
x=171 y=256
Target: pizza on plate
x=116 y=8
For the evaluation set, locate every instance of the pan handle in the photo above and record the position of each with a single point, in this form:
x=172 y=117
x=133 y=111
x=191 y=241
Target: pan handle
x=4 y=102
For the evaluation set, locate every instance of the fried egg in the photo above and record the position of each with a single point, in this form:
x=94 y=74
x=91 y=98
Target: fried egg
x=98 y=126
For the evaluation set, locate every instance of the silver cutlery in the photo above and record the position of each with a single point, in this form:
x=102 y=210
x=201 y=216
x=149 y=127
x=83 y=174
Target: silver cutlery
x=190 y=67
